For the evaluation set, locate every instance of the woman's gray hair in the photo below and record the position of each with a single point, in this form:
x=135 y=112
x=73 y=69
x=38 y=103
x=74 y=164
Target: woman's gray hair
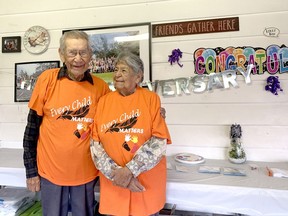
x=74 y=34
x=132 y=60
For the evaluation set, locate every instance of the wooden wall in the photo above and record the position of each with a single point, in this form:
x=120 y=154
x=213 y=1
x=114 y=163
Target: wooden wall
x=199 y=123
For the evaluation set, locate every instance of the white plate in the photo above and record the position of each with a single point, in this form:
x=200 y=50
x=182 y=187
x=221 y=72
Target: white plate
x=189 y=158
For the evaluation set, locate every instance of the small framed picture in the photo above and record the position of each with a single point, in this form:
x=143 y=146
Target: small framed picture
x=11 y=44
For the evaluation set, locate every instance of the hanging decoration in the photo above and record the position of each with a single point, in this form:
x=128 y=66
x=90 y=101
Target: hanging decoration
x=175 y=57
x=273 y=85
x=199 y=83
x=272 y=60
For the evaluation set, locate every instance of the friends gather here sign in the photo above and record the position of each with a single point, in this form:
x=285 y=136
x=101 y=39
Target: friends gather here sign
x=195 y=27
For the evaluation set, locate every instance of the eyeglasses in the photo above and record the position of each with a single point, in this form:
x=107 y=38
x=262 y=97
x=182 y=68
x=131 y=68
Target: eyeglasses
x=74 y=53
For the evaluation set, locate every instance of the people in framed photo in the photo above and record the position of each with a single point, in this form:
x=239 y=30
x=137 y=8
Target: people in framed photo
x=11 y=44
x=26 y=74
x=108 y=42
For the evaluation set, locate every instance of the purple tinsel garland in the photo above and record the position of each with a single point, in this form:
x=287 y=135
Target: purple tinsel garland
x=175 y=57
x=273 y=85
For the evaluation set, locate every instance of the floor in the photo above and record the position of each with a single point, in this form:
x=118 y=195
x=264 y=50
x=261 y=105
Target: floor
x=184 y=213
x=188 y=213
x=171 y=209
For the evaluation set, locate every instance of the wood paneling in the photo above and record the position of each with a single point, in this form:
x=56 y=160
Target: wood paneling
x=198 y=123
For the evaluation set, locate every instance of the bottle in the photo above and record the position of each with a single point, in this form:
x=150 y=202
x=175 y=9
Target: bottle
x=236 y=153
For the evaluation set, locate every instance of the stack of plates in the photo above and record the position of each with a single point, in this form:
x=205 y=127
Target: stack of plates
x=189 y=158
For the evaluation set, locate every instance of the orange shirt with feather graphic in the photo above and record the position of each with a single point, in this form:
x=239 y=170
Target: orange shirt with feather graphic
x=68 y=108
x=122 y=125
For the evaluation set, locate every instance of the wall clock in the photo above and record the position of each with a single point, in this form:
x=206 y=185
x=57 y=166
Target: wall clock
x=36 y=40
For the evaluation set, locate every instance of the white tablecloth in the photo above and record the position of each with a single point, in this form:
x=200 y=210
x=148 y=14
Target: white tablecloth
x=12 y=172
x=254 y=194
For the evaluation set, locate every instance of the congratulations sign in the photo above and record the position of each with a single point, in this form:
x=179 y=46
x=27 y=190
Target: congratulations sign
x=273 y=59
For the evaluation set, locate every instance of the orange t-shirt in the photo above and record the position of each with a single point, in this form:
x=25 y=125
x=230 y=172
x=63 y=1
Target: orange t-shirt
x=68 y=108
x=122 y=125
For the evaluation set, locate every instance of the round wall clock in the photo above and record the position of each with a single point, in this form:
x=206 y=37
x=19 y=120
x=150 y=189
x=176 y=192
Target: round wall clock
x=36 y=40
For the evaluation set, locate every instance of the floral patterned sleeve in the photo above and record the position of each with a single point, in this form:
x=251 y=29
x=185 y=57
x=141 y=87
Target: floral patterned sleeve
x=101 y=159
x=147 y=156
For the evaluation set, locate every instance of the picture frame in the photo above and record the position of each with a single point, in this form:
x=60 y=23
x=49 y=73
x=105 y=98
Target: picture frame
x=26 y=75
x=108 y=42
x=11 y=44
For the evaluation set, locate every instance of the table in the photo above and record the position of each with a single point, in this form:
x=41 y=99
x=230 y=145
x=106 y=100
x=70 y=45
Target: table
x=254 y=194
x=12 y=172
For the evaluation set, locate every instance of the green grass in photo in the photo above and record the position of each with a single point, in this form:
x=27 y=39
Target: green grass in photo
x=107 y=77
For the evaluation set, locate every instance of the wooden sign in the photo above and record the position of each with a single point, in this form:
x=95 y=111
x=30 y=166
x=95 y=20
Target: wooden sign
x=195 y=27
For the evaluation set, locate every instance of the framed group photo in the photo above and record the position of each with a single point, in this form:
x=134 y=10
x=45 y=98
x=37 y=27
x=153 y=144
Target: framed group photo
x=26 y=74
x=11 y=44
x=108 y=42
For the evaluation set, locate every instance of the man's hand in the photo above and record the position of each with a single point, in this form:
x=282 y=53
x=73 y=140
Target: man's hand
x=135 y=186
x=121 y=177
x=33 y=184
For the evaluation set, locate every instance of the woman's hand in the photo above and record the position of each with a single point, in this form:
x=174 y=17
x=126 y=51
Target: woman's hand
x=163 y=112
x=121 y=177
x=135 y=186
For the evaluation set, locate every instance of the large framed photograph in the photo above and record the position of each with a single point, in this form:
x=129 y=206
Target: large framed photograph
x=108 y=42
x=26 y=75
x=11 y=44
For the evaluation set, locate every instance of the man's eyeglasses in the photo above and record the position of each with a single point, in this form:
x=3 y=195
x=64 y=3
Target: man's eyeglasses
x=74 y=53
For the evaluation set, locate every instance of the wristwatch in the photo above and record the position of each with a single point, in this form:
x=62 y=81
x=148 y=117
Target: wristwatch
x=36 y=40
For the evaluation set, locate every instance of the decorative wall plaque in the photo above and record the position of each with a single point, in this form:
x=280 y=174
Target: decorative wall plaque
x=195 y=27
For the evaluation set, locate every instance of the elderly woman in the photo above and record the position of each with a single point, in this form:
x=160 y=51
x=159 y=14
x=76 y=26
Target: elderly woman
x=129 y=143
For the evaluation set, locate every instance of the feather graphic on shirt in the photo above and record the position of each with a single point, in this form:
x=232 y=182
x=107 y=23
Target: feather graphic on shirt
x=125 y=125
x=68 y=114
